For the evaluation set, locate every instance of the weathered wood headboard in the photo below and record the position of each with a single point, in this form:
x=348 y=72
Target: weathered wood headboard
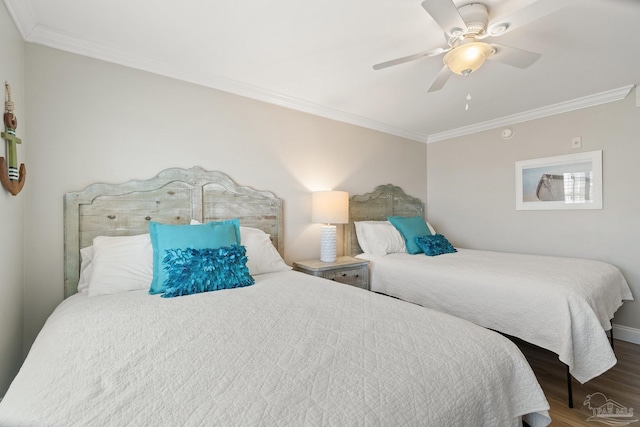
x=174 y=196
x=385 y=200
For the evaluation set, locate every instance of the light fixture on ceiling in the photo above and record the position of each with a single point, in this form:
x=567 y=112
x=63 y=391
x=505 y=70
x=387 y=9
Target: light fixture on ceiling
x=467 y=57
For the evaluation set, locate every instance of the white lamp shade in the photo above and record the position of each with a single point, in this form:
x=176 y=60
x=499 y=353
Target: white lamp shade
x=330 y=207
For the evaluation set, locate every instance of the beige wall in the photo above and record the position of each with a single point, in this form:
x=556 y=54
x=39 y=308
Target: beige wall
x=91 y=121
x=11 y=209
x=471 y=191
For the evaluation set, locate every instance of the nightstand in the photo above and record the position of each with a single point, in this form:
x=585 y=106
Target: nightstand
x=345 y=269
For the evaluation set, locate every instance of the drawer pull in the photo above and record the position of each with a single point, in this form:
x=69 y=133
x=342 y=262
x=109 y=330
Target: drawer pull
x=344 y=274
x=357 y=275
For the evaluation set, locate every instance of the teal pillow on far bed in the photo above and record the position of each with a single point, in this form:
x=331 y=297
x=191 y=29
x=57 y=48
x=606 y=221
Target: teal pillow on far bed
x=435 y=244
x=410 y=228
x=211 y=235
x=191 y=271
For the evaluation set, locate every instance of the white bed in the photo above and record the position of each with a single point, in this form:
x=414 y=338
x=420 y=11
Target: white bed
x=291 y=349
x=561 y=304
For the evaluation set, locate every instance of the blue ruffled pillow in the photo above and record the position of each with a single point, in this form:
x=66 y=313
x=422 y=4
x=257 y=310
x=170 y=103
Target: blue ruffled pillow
x=174 y=236
x=435 y=244
x=191 y=271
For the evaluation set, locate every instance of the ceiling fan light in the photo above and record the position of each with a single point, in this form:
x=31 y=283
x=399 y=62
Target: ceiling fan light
x=467 y=58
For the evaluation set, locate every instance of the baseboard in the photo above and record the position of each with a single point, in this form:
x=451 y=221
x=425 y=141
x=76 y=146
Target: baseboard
x=625 y=333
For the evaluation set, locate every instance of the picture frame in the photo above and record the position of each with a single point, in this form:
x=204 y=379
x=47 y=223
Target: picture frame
x=572 y=181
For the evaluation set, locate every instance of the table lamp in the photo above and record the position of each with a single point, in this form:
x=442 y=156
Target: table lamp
x=329 y=208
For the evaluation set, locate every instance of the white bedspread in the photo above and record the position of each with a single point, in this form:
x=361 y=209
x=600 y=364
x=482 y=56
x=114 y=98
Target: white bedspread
x=290 y=350
x=560 y=304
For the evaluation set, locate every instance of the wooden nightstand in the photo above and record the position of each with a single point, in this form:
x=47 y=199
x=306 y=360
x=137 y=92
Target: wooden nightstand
x=345 y=269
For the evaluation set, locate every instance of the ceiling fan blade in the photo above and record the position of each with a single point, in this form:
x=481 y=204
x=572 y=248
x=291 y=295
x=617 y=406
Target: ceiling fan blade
x=445 y=13
x=432 y=52
x=440 y=79
x=513 y=56
x=503 y=13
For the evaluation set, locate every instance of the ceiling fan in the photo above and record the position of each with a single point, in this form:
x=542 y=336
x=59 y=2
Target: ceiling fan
x=465 y=29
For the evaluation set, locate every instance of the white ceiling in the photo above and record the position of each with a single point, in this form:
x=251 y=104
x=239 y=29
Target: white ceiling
x=317 y=56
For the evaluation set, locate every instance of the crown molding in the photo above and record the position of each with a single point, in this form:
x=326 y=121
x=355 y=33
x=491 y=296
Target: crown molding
x=48 y=37
x=550 y=110
x=23 y=16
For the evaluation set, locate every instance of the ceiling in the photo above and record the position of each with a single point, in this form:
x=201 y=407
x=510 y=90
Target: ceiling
x=317 y=56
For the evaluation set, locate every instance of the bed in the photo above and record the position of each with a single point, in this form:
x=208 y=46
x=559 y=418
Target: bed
x=290 y=349
x=564 y=305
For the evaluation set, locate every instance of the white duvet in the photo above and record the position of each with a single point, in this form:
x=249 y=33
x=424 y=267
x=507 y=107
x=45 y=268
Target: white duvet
x=560 y=304
x=290 y=350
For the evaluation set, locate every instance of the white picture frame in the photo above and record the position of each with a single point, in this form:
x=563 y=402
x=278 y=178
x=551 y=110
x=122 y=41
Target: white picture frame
x=572 y=181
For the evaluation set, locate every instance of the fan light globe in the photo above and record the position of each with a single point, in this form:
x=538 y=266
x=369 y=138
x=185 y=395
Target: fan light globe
x=467 y=58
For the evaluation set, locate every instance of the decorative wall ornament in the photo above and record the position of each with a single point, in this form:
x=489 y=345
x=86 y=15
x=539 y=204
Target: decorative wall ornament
x=12 y=178
x=571 y=181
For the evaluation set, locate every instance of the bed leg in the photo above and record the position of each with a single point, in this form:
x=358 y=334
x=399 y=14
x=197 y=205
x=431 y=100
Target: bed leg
x=611 y=337
x=569 y=388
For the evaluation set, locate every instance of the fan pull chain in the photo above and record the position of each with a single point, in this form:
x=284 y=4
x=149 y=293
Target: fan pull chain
x=466 y=107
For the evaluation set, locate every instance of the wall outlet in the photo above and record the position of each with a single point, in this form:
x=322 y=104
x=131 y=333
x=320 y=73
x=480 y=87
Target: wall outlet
x=576 y=142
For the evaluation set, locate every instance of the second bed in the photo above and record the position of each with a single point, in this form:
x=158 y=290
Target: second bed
x=564 y=305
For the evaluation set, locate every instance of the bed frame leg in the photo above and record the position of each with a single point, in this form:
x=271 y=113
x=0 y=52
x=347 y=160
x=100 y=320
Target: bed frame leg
x=569 y=388
x=569 y=385
x=611 y=337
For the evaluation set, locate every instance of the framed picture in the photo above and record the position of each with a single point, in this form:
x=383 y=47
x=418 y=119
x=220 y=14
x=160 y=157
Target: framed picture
x=573 y=181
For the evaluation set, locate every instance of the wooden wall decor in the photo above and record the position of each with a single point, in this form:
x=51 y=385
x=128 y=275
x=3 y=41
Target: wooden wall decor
x=12 y=178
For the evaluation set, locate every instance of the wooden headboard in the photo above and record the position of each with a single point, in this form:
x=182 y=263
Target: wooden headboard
x=385 y=200
x=174 y=196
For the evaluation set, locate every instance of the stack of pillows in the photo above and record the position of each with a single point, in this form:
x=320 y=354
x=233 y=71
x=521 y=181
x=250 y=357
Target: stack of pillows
x=174 y=260
x=401 y=234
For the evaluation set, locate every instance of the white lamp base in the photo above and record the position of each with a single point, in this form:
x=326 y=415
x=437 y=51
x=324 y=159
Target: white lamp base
x=328 y=243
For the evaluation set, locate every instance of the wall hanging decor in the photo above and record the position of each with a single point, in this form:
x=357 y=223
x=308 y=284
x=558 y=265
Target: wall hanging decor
x=572 y=181
x=12 y=178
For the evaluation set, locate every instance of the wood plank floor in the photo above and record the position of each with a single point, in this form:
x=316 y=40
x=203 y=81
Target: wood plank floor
x=621 y=383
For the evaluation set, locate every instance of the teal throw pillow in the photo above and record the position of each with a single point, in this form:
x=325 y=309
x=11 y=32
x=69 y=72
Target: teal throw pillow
x=211 y=235
x=191 y=271
x=410 y=228
x=435 y=244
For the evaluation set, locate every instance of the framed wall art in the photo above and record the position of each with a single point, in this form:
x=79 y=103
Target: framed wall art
x=572 y=181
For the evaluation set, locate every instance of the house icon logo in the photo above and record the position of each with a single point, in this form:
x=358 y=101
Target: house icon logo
x=607 y=411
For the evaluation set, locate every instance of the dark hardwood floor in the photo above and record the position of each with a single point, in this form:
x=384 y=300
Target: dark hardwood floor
x=621 y=384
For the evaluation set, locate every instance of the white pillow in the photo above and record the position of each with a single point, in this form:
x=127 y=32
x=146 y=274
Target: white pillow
x=379 y=238
x=262 y=256
x=86 y=258
x=121 y=264
x=431 y=229
x=361 y=234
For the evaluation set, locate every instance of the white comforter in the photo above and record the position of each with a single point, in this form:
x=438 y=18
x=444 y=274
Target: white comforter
x=290 y=350
x=560 y=304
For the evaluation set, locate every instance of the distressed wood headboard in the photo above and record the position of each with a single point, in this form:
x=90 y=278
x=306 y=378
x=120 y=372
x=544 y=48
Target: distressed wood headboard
x=385 y=200
x=174 y=196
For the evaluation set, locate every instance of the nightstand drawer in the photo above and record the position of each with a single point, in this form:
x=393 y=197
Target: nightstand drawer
x=347 y=270
x=353 y=277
